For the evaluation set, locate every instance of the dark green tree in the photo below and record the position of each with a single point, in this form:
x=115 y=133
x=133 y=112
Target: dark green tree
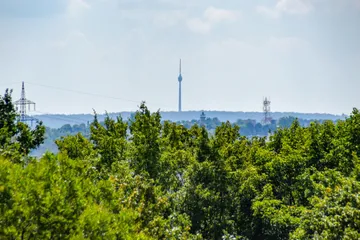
x=76 y=147
x=109 y=140
x=145 y=142
x=16 y=139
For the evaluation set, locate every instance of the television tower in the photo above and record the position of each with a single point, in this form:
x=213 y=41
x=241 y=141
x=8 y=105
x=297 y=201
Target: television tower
x=180 y=80
x=21 y=105
x=266 y=109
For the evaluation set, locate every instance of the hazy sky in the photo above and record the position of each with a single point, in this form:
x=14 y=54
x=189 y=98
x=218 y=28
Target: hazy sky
x=303 y=54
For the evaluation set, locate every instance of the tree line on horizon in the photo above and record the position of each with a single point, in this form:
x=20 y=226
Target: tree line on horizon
x=248 y=128
x=58 y=120
x=148 y=179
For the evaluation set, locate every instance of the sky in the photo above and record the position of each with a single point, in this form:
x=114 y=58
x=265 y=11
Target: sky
x=109 y=55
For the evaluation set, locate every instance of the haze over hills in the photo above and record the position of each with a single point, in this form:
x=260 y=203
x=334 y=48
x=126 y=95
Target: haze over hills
x=58 y=120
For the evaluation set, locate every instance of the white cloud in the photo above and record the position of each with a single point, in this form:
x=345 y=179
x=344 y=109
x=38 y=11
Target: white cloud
x=292 y=7
x=212 y=16
x=271 y=45
x=74 y=37
x=232 y=43
x=287 y=44
x=199 y=26
x=269 y=12
x=168 y=18
x=77 y=7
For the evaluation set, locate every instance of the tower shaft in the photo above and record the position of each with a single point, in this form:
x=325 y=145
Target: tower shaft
x=180 y=80
x=179 y=96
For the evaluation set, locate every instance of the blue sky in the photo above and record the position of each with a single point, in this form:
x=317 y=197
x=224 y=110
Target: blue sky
x=303 y=54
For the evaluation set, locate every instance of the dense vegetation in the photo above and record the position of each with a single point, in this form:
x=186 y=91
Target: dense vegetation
x=249 y=128
x=147 y=180
x=58 y=120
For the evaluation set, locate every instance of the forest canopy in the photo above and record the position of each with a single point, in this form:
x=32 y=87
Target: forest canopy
x=147 y=179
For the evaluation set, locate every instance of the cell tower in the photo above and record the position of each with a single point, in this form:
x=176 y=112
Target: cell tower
x=21 y=105
x=266 y=109
x=180 y=80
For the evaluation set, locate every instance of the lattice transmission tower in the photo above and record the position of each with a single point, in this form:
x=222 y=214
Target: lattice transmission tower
x=266 y=109
x=22 y=104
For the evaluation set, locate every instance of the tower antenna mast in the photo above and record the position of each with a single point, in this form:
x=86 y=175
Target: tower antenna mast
x=266 y=109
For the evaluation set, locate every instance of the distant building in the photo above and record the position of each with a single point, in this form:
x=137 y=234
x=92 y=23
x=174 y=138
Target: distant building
x=202 y=118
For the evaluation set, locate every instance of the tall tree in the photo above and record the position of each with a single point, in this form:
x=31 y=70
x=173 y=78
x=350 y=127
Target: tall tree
x=16 y=138
x=109 y=140
x=145 y=141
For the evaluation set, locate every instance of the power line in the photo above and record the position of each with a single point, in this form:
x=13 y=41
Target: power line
x=81 y=92
x=10 y=83
x=87 y=93
x=62 y=118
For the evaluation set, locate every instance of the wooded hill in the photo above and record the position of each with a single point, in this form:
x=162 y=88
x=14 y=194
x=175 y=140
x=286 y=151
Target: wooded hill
x=58 y=120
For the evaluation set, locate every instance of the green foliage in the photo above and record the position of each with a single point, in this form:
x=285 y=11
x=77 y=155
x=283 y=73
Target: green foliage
x=109 y=140
x=150 y=180
x=56 y=197
x=334 y=213
x=145 y=143
x=16 y=138
x=76 y=147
